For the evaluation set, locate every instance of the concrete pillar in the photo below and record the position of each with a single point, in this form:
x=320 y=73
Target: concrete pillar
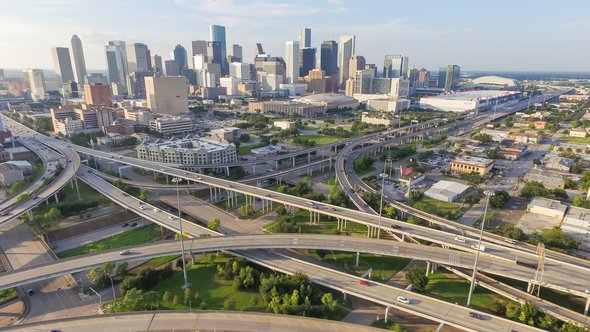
x=440 y=327
x=344 y=296
x=30 y=212
x=227 y=170
x=277 y=164
x=293 y=161
x=403 y=237
x=309 y=157
x=253 y=169
x=56 y=198
x=211 y=194
x=428 y=268
x=166 y=178
x=47 y=201
x=587 y=307
x=310 y=217
x=77 y=188
x=358 y=257
x=386 y=314
x=529 y=287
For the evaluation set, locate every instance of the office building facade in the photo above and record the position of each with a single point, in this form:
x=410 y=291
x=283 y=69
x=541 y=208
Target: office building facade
x=306 y=61
x=79 y=63
x=62 y=64
x=292 y=61
x=180 y=57
x=217 y=34
x=116 y=56
x=98 y=95
x=36 y=81
x=167 y=95
x=329 y=57
x=346 y=50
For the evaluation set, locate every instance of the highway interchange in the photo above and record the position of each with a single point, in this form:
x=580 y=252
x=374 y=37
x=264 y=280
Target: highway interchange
x=498 y=252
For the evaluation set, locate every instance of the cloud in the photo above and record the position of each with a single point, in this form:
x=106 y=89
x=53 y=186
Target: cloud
x=336 y=2
x=258 y=9
x=576 y=24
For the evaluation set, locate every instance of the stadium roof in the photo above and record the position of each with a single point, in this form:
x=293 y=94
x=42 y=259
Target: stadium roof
x=496 y=80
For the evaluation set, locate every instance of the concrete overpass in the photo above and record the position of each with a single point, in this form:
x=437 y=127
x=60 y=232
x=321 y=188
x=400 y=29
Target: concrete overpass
x=193 y=321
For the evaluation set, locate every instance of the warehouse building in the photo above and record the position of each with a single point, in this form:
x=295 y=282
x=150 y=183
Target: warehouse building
x=446 y=191
x=547 y=207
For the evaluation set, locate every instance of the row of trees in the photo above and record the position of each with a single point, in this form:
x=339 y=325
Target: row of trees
x=535 y=188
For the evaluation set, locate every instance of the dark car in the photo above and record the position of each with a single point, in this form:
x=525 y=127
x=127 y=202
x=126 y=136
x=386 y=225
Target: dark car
x=134 y=224
x=30 y=291
x=396 y=227
x=125 y=225
x=475 y=315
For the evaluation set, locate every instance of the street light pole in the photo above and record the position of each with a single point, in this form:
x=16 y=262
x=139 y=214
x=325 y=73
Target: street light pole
x=478 y=248
x=186 y=283
x=113 y=288
x=383 y=177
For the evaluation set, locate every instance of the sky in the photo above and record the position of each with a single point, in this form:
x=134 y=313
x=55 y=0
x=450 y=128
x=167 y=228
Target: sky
x=515 y=35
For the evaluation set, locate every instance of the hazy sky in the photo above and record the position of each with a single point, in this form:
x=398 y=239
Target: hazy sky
x=476 y=34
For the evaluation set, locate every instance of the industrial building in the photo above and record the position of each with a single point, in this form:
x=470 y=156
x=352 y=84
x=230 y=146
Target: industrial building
x=468 y=100
x=470 y=164
x=446 y=191
x=188 y=151
x=547 y=207
x=576 y=225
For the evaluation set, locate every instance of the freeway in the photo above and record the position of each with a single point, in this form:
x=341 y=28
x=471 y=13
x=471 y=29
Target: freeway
x=193 y=321
x=382 y=294
x=72 y=163
x=556 y=273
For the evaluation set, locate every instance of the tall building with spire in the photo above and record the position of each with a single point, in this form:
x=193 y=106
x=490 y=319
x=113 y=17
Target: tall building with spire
x=79 y=63
x=62 y=64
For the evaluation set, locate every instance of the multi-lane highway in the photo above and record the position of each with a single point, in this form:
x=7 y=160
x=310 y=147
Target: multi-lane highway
x=193 y=321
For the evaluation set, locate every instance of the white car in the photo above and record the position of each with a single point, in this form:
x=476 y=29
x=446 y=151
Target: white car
x=141 y=207
x=403 y=299
x=460 y=239
x=156 y=210
x=124 y=252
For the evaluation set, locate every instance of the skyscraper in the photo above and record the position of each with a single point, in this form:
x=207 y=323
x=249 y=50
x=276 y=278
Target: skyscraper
x=199 y=47
x=356 y=63
x=116 y=55
x=157 y=67
x=292 y=61
x=305 y=38
x=329 y=57
x=214 y=53
x=98 y=95
x=306 y=61
x=79 y=63
x=395 y=65
x=236 y=53
x=345 y=52
x=217 y=34
x=172 y=68
x=137 y=58
x=36 y=81
x=180 y=57
x=166 y=95
x=449 y=76
x=62 y=64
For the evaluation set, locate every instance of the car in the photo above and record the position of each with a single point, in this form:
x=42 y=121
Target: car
x=171 y=217
x=229 y=186
x=197 y=177
x=185 y=173
x=475 y=315
x=587 y=291
x=141 y=207
x=120 y=157
x=30 y=291
x=125 y=194
x=161 y=169
x=112 y=157
x=53 y=246
x=509 y=240
x=35 y=197
x=5 y=213
x=267 y=195
x=364 y=282
x=124 y=252
x=396 y=227
x=89 y=171
x=156 y=210
x=481 y=247
x=403 y=299
x=460 y=239
x=134 y=224
x=125 y=225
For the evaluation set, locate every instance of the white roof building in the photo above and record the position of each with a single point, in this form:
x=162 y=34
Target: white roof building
x=447 y=191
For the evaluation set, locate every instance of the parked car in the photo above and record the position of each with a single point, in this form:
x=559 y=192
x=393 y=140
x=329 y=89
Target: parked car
x=125 y=225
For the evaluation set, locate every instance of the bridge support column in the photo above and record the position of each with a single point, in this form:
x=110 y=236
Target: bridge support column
x=227 y=170
x=428 y=268
x=166 y=178
x=403 y=237
x=529 y=287
x=386 y=314
x=587 y=307
x=30 y=213
x=440 y=327
x=227 y=200
x=253 y=169
x=47 y=201
x=309 y=157
x=310 y=217
x=77 y=188
x=56 y=198
x=293 y=161
x=358 y=257
x=344 y=296
x=277 y=165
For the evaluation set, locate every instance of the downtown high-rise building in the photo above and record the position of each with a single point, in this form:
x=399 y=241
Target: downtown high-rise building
x=448 y=77
x=214 y=54
x=180 y=56
x=236 y=53
x=292 y=61
x=329 y=57
x=36 y=81
x=79 y=63
x=356 y=63
x=199 y=47
x=395 y=65
x=116 y=56
x=306 y=60
x=62 y=64
x=157 y=66
x=217 y=34
x=137 y=57
x=305 y=38
x=346 y=50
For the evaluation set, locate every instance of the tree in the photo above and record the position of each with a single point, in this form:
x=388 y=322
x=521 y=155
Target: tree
x=528 y=311
x=417 y=277
x=513 y=232
x=166 y=296
x=572 y=327
x=121 y=269
x=512 y=311
x=415 y=196
x=143 y=194
x=213 y=223
x=329 y=302
x=555 y=237
x=246 y=210
x=187 y=295
x=237 y=172
x=245 y=138
x=175 y=299
x=548 y=322
x=483 y=138
x=499 y=199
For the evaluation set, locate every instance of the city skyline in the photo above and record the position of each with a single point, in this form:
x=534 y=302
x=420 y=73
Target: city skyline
x=536 y=41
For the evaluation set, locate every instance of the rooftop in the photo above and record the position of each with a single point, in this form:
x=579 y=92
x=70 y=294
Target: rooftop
x=496 y=80
x=447 y=188
x=471 y=160
x=472 y=95
x=326 y=97
x=547 y=203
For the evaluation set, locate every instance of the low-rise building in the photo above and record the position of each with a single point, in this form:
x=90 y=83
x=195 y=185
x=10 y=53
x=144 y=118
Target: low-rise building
x=19 y=153
x=188 y=151
x=9 y=174
x=550 y=179
x=119 y=129
x=576 y=225
x=379 y=119
x=578 y=132
x=287 y=107
x=470 y=164
x=547 y=207
x=557 y=163
x=23 y=165
x=67 y=126
x=172 y=125
x=285 y=125
x=512 y=152
x=228 y=134
x=265 y=151
x=447 y=191
x=388 y=105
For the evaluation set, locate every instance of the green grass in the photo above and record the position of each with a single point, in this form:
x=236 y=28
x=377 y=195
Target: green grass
x=132 y=237
x=582 y=140
x=6 y=294
x=321 y=139
x=562 y=299
x=211 y=289
x=331 y=181
x=384 y=267
x=392 y=326
x=223 y=204
x=158 y=261
x=440 y=208
x=451 y=288
x=245 y=150
x=87 y=193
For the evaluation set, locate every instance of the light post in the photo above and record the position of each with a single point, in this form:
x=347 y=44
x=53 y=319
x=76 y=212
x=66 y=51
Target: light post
x=99 y=297
x=478 y=248
x=383 y=177
x=390 y=162
x=186 y=283
x=112 y=287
